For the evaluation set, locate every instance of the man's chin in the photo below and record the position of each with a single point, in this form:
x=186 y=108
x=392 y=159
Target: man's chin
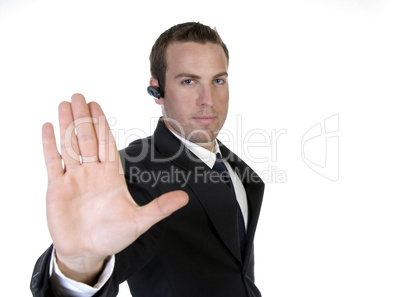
x=201 y=136
x=203 y=141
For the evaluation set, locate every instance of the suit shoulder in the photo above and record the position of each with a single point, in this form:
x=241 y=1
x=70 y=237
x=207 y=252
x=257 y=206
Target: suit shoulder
x=137 y=146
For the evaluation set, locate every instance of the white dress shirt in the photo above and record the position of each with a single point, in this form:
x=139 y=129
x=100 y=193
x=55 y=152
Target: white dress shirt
x=64 y=286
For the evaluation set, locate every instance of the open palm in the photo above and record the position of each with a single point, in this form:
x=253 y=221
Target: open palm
x=91 y=215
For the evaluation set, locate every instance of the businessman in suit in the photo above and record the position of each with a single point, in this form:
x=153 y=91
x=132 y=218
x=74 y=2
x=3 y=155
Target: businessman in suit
x=181 y=222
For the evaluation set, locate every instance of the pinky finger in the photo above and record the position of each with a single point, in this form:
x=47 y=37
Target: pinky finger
x=52 y=156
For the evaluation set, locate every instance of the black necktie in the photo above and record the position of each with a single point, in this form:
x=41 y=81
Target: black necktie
x=220 y=167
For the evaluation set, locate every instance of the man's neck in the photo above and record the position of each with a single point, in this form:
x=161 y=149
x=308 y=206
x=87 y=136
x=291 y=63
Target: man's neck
x=207 y=145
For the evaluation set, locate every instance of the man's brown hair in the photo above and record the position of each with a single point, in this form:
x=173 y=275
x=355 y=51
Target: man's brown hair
x=185 y=32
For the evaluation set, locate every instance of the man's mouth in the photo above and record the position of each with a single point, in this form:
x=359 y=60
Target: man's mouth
x=205 y=120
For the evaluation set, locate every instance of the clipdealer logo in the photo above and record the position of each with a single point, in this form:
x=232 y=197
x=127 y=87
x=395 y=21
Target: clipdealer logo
x=320 y=148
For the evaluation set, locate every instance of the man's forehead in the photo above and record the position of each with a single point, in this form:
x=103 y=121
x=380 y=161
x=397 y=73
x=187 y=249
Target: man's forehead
x=187 y=46
x=190 y=51
x=182 y=44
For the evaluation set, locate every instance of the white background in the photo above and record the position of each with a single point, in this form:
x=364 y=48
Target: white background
x=293 y=64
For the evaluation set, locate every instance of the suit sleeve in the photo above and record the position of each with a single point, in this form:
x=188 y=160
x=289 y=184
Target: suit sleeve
x=40 y=285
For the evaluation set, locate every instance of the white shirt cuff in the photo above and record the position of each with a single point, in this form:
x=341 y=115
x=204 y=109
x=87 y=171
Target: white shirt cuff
x=66 y=287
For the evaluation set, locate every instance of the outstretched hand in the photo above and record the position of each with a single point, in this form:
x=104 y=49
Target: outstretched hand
x=91 y=215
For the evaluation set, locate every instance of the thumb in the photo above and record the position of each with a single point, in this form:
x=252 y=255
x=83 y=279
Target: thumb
x=160 y=208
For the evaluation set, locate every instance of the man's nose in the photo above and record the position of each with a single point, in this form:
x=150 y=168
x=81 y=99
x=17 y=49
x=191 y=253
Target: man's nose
x=206 y=96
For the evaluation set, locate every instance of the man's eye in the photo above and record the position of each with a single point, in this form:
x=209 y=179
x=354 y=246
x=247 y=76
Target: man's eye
x=187 y=81
x=219 y=81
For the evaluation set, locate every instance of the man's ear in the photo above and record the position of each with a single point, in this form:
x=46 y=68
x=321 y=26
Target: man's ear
x=155 y=84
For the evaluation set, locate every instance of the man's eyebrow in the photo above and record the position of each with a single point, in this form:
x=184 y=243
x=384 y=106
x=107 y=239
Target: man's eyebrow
x=221 y=74
x=190 y=75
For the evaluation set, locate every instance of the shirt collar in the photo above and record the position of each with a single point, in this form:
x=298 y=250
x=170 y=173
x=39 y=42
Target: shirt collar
x=203 y=154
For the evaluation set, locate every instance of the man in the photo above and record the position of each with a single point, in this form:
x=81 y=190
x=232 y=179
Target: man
x=193 y=234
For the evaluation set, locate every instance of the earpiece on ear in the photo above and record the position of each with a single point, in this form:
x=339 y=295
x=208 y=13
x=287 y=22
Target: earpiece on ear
x=155 y=92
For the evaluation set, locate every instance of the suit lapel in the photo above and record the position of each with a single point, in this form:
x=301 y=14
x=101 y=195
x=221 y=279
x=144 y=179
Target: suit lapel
x=254 y=188
x=216 y=198
x=220 y=205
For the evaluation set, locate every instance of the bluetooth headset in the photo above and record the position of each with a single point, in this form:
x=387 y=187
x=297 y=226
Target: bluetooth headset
x=155 y=92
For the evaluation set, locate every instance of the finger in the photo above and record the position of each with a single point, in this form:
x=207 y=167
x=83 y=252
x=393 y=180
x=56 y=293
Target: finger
x=68 y=140
x=87 y=141
x=107 y=150
x=52 y=157
x=159 y=208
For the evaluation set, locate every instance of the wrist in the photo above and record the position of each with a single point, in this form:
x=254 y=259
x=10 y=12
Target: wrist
x=84 y=270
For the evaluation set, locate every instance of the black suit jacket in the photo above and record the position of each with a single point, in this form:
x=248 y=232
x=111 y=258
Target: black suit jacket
x=195 y=251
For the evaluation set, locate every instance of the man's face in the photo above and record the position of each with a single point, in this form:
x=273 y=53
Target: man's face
x=196 y=91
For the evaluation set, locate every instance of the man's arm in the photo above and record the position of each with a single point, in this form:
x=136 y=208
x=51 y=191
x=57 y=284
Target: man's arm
x=91 y=215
